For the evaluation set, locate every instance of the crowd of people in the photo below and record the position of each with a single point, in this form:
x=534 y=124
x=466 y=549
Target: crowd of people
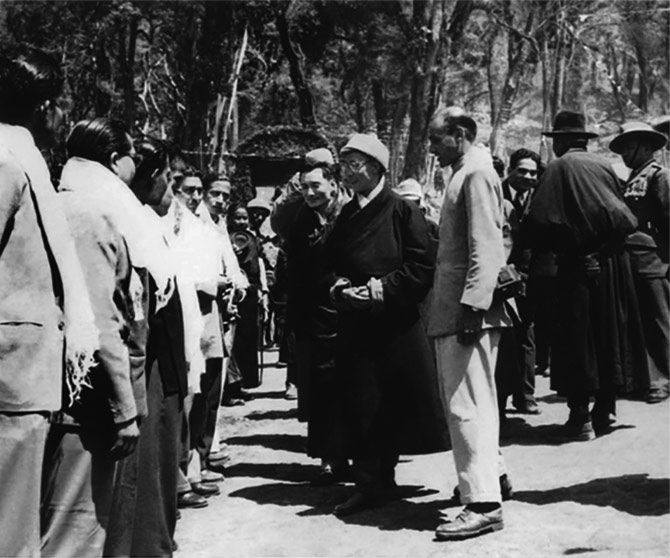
x=134 y=298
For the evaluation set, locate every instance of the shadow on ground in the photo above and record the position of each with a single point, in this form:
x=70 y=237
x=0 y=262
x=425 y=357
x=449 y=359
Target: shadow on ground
x=289 y=472
x=283 y=442
x=517 y=432
x=273 y=414
x=269 y=394
x=633 y=494
x=394 y=516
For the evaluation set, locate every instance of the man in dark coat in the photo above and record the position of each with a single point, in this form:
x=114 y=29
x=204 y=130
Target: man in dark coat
x=579 y=214
x=382 y=264
x=647 y=194
x=310 y=313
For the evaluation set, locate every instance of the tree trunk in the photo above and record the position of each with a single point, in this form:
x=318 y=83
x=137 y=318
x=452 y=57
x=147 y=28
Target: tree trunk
x=305 y=102
x=428 y=15
x=127 y=37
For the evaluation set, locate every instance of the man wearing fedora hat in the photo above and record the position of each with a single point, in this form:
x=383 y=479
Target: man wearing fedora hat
x=578 y=213
x=647 y=194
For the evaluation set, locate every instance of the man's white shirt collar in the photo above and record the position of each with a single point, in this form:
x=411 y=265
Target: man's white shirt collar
x=365 y=200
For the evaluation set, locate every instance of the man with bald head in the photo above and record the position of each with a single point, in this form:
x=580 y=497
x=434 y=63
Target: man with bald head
x=466 y=320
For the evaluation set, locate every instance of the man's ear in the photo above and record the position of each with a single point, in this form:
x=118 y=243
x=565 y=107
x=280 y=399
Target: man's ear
x=114 y=159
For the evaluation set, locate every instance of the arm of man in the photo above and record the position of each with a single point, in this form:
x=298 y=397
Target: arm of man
x=105 y=262
x=409 y=284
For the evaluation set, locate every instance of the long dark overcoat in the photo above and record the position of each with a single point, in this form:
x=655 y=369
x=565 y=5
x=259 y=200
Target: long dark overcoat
x=386 y=372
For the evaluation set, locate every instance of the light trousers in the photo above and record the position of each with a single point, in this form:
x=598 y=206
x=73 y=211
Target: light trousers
x=22 y=441
x=467 y=386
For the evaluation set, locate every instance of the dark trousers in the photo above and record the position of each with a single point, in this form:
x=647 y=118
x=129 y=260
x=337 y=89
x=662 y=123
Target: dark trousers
x=205 y=409
x=144 y=513
x=654 y=299
x=542 y=293
x=77 y=492
x=375 y=475
x=22 y=439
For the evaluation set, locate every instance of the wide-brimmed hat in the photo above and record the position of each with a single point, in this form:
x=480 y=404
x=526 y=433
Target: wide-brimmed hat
x=631 y=131
x=569 y=123
x=369 y=145
x=259 y=204
x=663 y=125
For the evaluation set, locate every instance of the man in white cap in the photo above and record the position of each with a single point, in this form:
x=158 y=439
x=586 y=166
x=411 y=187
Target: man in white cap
x=382 y=269
x=647 y=194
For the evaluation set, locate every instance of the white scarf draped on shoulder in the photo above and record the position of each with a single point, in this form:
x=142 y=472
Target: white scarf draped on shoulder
x=138 y=224
x=81 y=334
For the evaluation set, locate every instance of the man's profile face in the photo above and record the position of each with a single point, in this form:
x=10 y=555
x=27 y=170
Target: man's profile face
x=217 y=198
x=524 y=176
x=444 y=146
x=190 y=192
x=316 y=189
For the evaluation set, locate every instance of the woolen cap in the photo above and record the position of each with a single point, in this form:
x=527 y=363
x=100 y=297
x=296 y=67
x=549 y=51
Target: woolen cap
x=369 y=145
x=569 y=123
x=410 y=189
x=318 y=158
x=258 y=203
x=632 y=131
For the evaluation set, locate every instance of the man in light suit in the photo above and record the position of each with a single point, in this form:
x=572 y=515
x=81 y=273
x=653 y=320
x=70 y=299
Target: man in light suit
x=465 y=320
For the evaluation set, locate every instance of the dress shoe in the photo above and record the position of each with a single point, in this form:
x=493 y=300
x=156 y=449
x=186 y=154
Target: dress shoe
x=191 y=500
x=232 y=402
x=291 y=393
x=328 y=476
x=529 y=408
x=359 y=502
x=210 y=476
x=220 y=458
x=573 y=431
x=205 y=489
x=506 y=491
x=246 y=395
x=656 y=395
x=175 y=546
x=469 y=524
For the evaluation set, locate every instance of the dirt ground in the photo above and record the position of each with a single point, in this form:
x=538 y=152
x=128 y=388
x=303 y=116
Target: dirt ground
x=607 y=498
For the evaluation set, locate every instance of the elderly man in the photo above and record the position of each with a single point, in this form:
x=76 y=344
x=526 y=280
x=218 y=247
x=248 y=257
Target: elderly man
x=47 y=330
x=466 y=319
x=578 y=213
x=382 y=269
x=647 y=194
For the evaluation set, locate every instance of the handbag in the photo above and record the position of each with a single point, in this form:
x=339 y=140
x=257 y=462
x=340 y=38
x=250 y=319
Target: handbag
x=510 y=283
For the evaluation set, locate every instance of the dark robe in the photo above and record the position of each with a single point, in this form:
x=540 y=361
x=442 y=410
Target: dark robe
x=578 y=213
x=245 y=344
x=313 y=319
x=386 y=372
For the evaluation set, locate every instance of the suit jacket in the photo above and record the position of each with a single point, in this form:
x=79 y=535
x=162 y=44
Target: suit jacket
x=470 y=253
x=31 y=321
x=106 y=265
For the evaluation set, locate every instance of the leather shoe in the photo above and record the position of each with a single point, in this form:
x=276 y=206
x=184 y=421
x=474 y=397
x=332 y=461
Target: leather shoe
x=205 y=489
x=573 y=431
x=220 y=458
x=359 y=502
x=506 y=490
x=656 y=395
x=470 y=524
x=328 y=476
x=191 y=500
x=529 y=408
x=210 y=476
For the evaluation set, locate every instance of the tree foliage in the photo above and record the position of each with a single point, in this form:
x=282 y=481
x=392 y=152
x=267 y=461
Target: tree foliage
x=339 y=66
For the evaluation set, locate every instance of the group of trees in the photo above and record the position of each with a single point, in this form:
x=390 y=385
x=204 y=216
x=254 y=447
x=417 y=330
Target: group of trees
x=207 y=74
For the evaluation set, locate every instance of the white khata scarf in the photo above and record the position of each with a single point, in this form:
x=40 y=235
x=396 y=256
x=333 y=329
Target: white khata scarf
x=138 y=224
x=81 y=334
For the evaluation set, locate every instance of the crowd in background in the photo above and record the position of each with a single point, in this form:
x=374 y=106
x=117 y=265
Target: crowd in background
x=135 y=300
